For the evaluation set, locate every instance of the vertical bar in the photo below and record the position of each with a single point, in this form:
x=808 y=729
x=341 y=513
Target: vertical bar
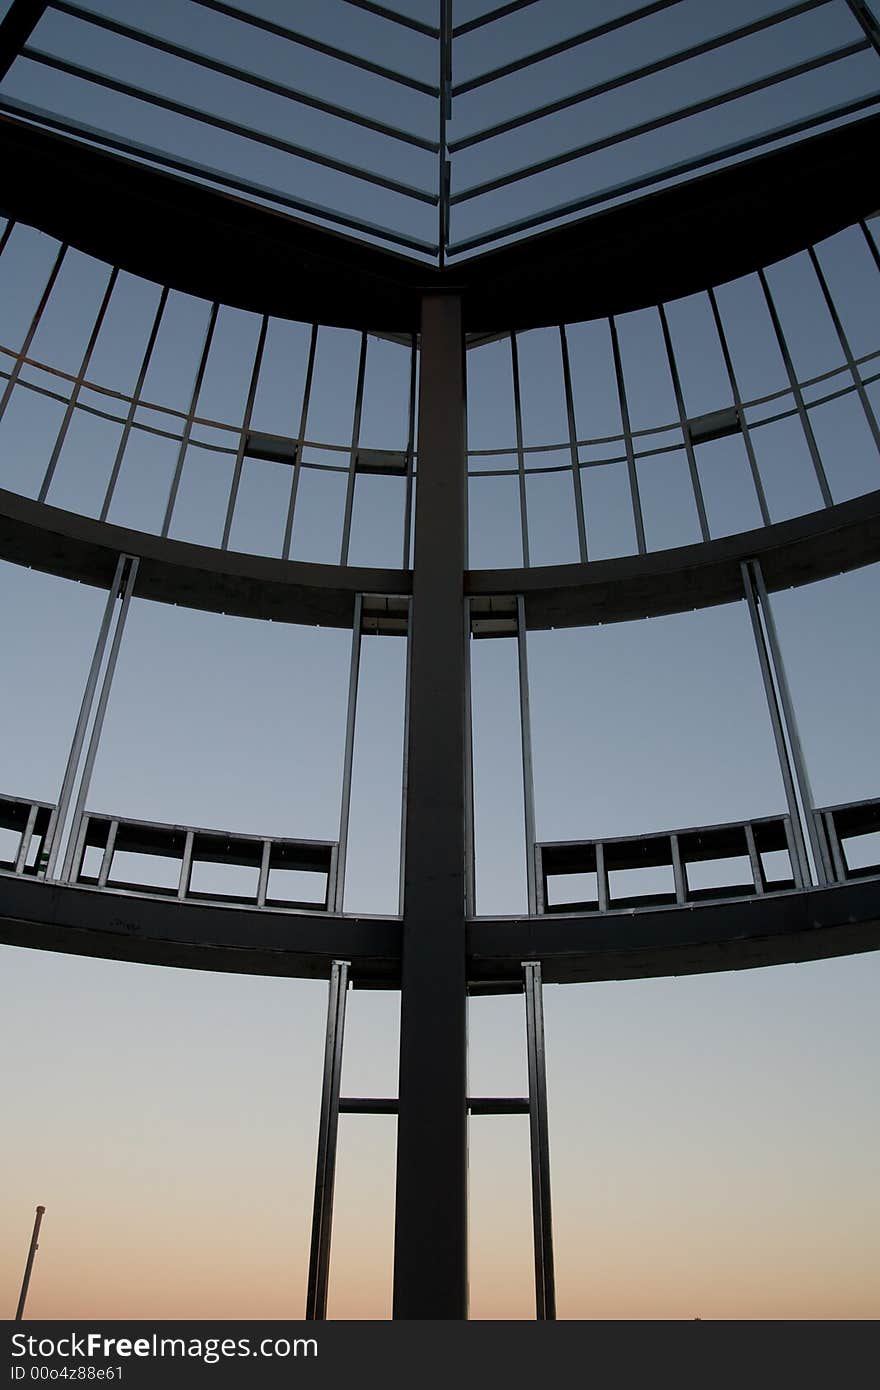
x=352 y=458
x=297 y=462
x=638 y=518
x=797 y=872
x=188 y=421
x=813 y=447
x=520 y=457
x=444 y=165
x=572 y=444
x=404 y=780
x=34 y=1247
x=77 y=386
x=525 y=724
x=837 y=856
x=410 y=457
x=802 y=776
x=872 y=246
x=545 y=1279
x=470 y=885
x=26 y=836
x=430 y=1252
x=107 y=856
x=601 y=878
x=263 y=882
x=186 y=865
x=58 y=817
x=134 y=402
x=540 y=880
x=325 y=1169
x=754 y=860
x=101 y=710
x=682 y=417
x=348 y=761
x=332 y=877
x=17 y=365
x=678 y=870
x=738 y=405
x=76 y=848
x=847 y=350
x=800 y=862
x=245 y=427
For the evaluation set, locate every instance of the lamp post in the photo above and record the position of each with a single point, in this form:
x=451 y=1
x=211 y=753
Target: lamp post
x=19 y=1313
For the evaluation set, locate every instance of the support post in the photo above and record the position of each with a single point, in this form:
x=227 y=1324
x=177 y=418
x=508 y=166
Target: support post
x=430 y=1251
x=785 y=730
x=121 y=588
x=34 y=1247
x=525 y=726
x=545 y=1277
x=325 y=1171
x=348 y=760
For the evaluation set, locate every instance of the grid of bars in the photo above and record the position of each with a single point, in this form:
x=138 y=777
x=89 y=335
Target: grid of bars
x=697 y=860
x=435 y=132
x=530 y=482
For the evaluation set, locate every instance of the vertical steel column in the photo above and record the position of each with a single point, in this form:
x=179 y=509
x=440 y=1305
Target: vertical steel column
x=785 y=730
x=430 y=1252
x=572 y=444
x=34 y=1247
x=325 y=1173
x=125 y=593
x=470 y=867
x=404 y=773
x=632 y=471
x=297 y=461
x=348 y=760
x=545 y=1278
x=58 y=817
x=525 y=725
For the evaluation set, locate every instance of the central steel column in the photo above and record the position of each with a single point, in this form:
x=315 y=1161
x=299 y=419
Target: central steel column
x=430 y=1249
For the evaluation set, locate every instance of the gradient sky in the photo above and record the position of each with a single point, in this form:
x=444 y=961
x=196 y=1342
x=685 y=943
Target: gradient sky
x=713 y=1139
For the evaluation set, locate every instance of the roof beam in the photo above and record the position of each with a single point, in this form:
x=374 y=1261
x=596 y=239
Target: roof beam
x=612 y=84
x=564 y=45
x=680 y=113
x=429 y=30
x=265 y=84
x=20 y=21
x=340 y=54
x=259 y=137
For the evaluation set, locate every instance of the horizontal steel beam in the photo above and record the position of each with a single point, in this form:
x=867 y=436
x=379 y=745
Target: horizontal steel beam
x=224 y=248
x=701 y=937
x=832 y=541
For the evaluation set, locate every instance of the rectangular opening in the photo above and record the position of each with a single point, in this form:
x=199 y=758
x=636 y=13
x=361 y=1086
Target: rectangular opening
x=295 y=888
x=861 y=853
x=776 y=868
x=261 y=507
x=648 y=885
x=10 y=843
x=237 y=882
x=572 y=891
x=33 y=850
x=720 y=878
x=91 y=864
x=154 y=873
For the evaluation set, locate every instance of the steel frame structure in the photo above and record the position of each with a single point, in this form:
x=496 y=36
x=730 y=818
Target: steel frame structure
x=436 y=950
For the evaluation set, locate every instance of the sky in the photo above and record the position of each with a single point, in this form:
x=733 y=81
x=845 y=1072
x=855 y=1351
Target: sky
x=713 y=1139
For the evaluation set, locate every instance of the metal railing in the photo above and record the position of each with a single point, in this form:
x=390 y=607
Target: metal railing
x=764 y=850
